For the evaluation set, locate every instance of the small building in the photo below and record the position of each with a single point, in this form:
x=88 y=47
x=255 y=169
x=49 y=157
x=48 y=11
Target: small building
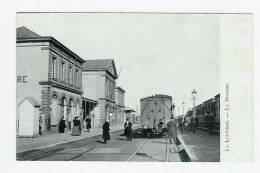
x=130 y=114
x=29 y=118
x=50 y=73
x=98 y=83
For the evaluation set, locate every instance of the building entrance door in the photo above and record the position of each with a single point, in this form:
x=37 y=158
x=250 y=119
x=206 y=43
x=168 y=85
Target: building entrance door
x=63 y=108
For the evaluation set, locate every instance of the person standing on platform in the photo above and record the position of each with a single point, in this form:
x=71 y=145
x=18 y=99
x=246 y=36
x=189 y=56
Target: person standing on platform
x=160 y=127
x=62 y=125
x=128 y=129
x=40 y=125
x=210 y=124
x=180 y=124
x=76 y=130
x=197 y=123
x=106 y=129
x=88 y=123
x=172 y=132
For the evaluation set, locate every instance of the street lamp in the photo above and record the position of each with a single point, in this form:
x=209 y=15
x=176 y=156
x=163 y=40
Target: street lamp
x=183 y=107
x=193 y=94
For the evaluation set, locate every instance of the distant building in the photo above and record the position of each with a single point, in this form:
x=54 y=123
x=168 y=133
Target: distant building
x=120 y=105
x=50 y=73
x=130 y=114
x=155 y=108
x=98 y=84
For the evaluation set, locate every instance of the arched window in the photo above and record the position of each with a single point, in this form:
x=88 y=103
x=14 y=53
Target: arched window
x=71 y=110
x=54 y=105
x=63 y=108
x=77 y=109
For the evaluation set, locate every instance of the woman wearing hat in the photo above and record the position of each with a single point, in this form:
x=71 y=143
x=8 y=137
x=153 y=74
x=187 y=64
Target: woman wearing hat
x=76 y=131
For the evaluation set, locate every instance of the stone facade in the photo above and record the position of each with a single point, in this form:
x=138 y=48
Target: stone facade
x=120 y=105
x=53 y=78
x=98 y=83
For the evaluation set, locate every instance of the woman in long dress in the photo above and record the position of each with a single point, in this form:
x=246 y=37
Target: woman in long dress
x=76 y=130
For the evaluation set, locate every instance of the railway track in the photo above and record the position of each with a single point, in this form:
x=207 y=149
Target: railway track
x=37 y=154
x=74 y=151
x=137 y=151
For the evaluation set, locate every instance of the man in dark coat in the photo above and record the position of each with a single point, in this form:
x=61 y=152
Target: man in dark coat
x=160 y=127
x=106 y=129
x=88 y=124
x=128 y=129
x=40 y=125
x=62 y=125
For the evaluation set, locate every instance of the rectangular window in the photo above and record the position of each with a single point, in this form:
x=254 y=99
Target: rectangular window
x=70 y=74
x=54 y=67
x=63 y=71
x=77 y=78
x=106 y=88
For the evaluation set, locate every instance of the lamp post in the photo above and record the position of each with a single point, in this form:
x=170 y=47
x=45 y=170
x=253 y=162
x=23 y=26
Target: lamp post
x=183 y=108
x=193 y=94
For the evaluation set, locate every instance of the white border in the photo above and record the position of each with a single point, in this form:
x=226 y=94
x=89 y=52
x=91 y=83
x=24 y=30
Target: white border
x=7 y=61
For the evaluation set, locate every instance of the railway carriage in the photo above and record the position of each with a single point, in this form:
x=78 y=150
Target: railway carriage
x=153 y=110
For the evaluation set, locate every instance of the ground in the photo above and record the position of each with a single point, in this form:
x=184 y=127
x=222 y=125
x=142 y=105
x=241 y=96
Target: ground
x=141 y=149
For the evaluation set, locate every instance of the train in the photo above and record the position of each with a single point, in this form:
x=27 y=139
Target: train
x=209 y=107
x=154 y=109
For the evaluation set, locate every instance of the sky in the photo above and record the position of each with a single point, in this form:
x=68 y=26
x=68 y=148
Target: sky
x=168 y=54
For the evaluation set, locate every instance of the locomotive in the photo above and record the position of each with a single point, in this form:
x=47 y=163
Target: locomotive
x=156 y=110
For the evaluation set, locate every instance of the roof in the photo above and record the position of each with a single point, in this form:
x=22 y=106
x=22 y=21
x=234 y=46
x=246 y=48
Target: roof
x=23 y=32
x=128 y=109
x=121 y=89
x=25 y=35
x=209 y=100
x=99 y=65
x=89 y=100
x=33 y=101
x=157 y=96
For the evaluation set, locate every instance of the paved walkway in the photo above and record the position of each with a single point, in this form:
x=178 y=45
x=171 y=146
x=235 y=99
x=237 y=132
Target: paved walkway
x=206 y=148
x=48 y=140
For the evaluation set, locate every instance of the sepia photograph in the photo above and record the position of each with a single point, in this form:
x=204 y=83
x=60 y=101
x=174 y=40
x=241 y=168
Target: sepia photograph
x=124 y=87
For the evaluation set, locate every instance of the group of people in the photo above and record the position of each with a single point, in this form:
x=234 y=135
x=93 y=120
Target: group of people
x=127 y=131
x=192 y=124
x=76 y=130
x=188 y=124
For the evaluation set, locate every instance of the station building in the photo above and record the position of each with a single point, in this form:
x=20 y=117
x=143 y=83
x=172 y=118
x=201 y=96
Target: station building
x=99 y=84
x=51 y=74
